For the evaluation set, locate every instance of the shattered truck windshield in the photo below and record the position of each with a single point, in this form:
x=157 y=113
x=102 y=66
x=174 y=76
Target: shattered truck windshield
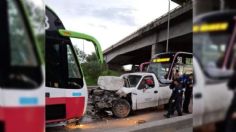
x=132 y=80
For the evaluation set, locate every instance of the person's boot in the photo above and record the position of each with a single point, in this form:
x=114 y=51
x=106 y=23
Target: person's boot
x=186 y=111
x=180 y=114
x=167 y=115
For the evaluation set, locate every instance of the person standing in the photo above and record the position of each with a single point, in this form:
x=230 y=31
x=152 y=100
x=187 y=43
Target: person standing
x=175 y=102
x=188 y=93
x=171 y=104
x=184 y=79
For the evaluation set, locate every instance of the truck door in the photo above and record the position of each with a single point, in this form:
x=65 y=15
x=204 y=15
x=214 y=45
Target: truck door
x=146 y=93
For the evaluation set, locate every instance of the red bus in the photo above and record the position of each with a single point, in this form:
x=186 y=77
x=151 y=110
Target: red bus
x=21 y=90
x=66 y=90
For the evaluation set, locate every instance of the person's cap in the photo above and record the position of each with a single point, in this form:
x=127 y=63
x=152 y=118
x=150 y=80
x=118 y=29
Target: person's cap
x=149 y=82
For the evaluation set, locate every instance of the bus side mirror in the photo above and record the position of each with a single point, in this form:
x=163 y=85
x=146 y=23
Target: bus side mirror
x=220 y=73
x=213 y=71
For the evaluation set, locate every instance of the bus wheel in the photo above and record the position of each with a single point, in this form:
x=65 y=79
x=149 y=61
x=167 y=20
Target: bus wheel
x=121 y=108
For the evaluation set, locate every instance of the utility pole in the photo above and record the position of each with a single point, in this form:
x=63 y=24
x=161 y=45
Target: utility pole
x=83 y=45
x=168 y=28
x=83 y=51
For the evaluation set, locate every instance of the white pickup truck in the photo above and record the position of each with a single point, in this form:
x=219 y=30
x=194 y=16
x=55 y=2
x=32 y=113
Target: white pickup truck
x=129 y=92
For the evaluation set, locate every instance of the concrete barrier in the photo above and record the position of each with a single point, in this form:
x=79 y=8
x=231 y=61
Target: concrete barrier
x=91 y=87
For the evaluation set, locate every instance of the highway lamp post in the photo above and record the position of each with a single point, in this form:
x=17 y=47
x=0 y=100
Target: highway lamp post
x=222 y=5
x=168 y=28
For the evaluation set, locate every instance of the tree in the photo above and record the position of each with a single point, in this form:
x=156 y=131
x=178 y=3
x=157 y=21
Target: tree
x=93 y=69
x=81 y=55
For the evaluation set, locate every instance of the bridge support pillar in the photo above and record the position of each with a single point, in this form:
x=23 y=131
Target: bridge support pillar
x=153 y=50
x=160 y=48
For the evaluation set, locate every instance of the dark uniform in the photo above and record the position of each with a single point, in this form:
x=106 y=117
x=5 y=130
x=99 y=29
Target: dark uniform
x=231 y=121
x=175 y=102
x=187 y=94
x=171 y=103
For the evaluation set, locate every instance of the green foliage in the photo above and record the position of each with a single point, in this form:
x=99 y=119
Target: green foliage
x=93 y=69
x=80 y=54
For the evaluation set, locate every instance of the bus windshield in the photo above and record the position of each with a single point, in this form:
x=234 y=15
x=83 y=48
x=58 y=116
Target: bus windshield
x=62 y=67
x=210 y=47
x=22 y=50
x=212 y=44
x=165 y=65
x=160 y=69
x=161 y=64
x=20 y=66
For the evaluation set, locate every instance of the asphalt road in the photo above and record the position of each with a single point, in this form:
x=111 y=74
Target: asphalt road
x=136 y=120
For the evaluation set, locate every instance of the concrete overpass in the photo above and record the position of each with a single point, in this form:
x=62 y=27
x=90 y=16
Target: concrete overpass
x=151 y=39
x=201 y=7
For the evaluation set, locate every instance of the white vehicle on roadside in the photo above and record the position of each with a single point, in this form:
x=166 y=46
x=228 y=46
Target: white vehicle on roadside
x=132 y=91
x=214 y=46
x=211 y=99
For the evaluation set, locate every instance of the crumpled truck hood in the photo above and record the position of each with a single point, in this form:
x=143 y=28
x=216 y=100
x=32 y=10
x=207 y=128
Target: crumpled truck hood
x=110 y=83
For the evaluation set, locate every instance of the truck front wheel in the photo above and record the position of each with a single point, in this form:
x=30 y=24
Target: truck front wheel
x=121 y=108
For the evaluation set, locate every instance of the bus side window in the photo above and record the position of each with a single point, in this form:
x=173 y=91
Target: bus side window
x=74 y=75
x=73 y=70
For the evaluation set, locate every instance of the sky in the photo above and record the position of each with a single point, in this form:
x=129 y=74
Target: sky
x=108 y=21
